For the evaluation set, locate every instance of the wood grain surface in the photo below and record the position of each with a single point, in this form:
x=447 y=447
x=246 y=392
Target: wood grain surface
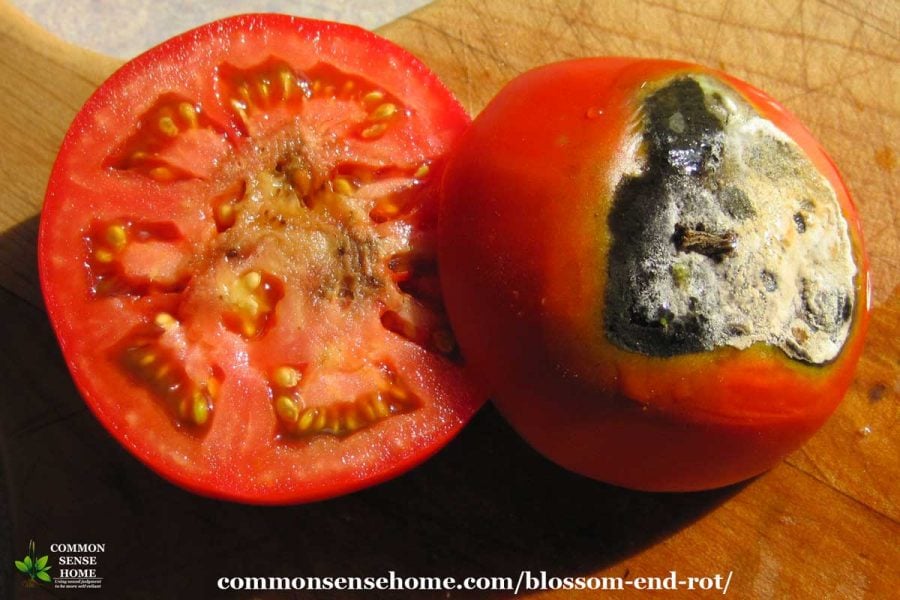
x=825 y=523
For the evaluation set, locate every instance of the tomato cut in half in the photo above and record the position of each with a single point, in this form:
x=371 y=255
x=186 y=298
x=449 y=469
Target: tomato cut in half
x=663 y=281
x=237 y=252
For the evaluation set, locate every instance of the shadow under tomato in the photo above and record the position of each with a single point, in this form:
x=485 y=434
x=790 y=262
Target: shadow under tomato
x=487 y=505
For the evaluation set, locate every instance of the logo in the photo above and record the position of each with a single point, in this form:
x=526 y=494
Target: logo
x=34 y=567
x=77 y=566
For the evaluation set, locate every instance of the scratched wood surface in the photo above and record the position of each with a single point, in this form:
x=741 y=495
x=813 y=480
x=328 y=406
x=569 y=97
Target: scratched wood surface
x=825 y=523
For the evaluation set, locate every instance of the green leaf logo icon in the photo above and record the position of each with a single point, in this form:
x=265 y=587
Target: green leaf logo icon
x=36 y=569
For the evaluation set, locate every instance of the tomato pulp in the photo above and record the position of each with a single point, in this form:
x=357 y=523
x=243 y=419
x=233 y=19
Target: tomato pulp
x=663 y=281
x=237 y=253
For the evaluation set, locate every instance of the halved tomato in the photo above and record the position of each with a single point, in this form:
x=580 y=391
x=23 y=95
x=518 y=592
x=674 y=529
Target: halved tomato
x=237 y=252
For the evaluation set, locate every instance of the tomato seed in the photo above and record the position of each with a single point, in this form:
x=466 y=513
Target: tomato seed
x=384 y=111
x=342 y=185
x=307 y=420
x=103 y=255
x=167 y=127
x=165 y=320
x=373 y=96
x=374 y=131
x=287 y=409
x=286 y=377
x=116 y=236
x=200 y=409
x=189 y=114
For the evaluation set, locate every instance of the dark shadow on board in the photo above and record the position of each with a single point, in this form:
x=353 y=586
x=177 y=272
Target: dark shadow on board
x=487 y=505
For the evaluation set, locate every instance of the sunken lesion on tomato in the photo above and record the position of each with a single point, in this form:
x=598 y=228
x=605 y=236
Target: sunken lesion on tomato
x=724 y=233
x=288 y=224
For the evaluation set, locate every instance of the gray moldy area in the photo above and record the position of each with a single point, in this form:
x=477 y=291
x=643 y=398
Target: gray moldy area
x=724 y=233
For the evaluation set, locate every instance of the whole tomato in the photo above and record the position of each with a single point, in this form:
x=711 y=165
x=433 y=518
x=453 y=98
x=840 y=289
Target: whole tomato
x=655 y=268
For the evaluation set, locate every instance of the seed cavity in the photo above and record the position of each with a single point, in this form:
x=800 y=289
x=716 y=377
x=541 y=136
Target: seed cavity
x=416 y=274
x=389 y=208
x=421 y=326
x=389 y=397
x=261 y=91
x=150 y=151
x=401 y=202
x=420 y=316
x=225 y=206
x=155 y=366
x=127 y=257
x=252 y=299
x=443 y=341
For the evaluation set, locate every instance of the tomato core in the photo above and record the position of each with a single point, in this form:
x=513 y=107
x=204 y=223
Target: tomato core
x=283 y=220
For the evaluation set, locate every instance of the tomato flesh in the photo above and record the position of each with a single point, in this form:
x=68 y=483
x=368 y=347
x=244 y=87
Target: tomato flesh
x=615 y=293
x=219 y=254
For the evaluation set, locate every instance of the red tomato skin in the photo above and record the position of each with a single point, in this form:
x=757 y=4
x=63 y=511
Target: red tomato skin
x=523 y=245
x=168 y=66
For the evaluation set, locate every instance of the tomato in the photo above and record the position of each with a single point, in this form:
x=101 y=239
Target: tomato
x=655 y=269
x=237 y=252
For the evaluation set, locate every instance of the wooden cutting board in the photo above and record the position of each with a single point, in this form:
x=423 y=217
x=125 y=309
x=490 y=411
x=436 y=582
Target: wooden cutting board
x=822 y=524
